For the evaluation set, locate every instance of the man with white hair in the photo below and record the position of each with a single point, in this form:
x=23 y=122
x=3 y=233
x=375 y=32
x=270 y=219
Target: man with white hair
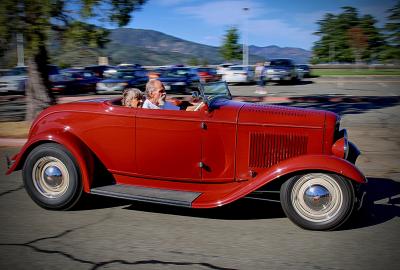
x=156 y=95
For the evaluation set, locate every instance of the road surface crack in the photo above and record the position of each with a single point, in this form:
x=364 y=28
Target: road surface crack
x=11 y=190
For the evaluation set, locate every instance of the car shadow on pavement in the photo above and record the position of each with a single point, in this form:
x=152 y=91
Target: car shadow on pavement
x=344 y=104
x=92 y=202
x=381 y=204
x=286 y=83
x=243 y=209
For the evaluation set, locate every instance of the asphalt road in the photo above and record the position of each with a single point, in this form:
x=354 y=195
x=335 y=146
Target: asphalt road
x=114 y=234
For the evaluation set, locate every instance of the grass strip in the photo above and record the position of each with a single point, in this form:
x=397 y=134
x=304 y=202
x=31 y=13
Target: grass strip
x=352 y=72
x=14 y=129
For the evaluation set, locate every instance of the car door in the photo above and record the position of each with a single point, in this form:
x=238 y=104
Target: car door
x=219 y=142
x=168 y=144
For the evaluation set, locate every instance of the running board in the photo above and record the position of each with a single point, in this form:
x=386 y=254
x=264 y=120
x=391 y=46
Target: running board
x=153 y=195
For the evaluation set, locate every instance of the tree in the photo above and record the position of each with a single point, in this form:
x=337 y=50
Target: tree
x=67 y=20
x=392 y=28
x=231 y=49
x=193 y=61
x=358 y=42
x=347 y=37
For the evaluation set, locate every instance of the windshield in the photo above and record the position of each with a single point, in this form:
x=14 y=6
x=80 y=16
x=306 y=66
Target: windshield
x=120 y=74
x=280 y=62
x=215 y=89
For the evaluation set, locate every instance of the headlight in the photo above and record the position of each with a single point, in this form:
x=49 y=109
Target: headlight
x=341 y=147
x=179 y=83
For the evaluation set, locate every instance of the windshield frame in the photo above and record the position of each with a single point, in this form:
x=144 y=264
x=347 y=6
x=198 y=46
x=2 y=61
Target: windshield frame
x=211 y=98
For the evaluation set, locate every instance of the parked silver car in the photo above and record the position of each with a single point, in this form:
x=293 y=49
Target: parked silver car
x=281 y=70
x=13 y=81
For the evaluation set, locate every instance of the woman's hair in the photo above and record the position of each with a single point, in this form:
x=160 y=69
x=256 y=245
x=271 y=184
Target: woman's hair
x=131 y=94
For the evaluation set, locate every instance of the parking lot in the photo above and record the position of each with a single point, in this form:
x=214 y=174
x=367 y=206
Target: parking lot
x=115 y=234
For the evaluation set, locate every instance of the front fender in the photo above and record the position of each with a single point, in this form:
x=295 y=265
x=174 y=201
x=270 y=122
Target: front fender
x=317 y=162
x=299 y=164
x=77 y=148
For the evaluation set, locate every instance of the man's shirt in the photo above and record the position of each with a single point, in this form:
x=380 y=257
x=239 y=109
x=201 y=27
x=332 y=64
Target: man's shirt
x=167 y=106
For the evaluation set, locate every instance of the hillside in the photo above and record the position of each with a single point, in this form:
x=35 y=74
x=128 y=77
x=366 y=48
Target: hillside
x=149 y=47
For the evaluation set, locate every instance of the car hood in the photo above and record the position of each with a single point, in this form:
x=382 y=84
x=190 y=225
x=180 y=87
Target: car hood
x=263 y=114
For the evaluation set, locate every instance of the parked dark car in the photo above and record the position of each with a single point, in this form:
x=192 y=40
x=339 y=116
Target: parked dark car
x=207 y=74
x=122 y=79
x=99 y=70
x=74 y=81
x=180 y=79
x=281 y=70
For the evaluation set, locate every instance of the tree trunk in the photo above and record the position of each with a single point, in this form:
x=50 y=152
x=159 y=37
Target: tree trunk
x=38 y=94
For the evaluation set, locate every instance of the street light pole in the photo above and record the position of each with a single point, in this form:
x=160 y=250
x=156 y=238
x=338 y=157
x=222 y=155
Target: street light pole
x=245 y=47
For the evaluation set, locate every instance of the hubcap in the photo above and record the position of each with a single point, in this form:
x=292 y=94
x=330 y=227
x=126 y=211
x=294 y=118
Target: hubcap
x=317 y=197
x=50 y=177
x=53 y=176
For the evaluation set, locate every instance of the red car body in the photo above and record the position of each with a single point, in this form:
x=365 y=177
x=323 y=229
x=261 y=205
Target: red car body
x=216 y=155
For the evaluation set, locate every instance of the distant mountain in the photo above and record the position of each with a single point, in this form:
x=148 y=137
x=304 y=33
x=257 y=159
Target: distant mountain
x=300 y=56
x=149 y=47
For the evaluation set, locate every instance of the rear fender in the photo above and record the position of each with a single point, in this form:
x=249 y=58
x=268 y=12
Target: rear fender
x=77 y=148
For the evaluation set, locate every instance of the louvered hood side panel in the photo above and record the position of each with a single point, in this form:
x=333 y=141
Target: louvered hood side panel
x=268 y=149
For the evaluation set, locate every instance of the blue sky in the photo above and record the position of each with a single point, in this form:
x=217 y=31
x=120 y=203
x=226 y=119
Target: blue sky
x=286 y=23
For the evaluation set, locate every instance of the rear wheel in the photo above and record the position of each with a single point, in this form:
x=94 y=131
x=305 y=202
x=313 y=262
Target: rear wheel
x=317 y=201
x=52 y=177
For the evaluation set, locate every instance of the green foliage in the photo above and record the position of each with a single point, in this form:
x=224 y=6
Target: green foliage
x=347 y=37
x=392 y=28
x=231 y=49
x=193 y=61
x=204 y=62
x=37 y=19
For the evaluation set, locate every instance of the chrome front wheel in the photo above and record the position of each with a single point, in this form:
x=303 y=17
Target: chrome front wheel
x=317 y=201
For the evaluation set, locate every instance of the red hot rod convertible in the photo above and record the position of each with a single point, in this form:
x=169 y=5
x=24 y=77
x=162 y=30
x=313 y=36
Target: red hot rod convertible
x=207 y=158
